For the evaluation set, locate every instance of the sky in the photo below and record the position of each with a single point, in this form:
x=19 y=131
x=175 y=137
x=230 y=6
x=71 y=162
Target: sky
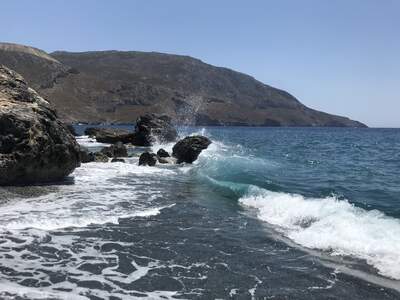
x=338 y=56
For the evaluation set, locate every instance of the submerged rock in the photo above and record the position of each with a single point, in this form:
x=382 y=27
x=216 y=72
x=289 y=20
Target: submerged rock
x=116 y=150
x=117 y=160
x=147 y=159
x=151 y=128
x=188 y=149
x=34 y=145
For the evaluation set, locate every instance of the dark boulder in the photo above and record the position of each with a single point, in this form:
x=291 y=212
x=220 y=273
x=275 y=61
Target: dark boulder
x=116 y=150
x=34 y=145
x=151 y=128
x=147 y=159
x=118 y=160
x=188 y=149
x=85 y=155
x=162 y=153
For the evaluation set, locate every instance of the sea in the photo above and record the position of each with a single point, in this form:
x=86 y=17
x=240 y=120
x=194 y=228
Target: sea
x=264 y=213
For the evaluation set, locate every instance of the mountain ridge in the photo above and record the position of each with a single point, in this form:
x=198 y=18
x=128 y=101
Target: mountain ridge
x=117 y=86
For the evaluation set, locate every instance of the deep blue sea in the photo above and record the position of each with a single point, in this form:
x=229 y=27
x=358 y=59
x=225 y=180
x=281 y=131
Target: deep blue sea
x=280 y=213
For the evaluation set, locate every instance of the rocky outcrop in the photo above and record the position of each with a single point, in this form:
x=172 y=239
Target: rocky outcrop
x=188 y=149
x=119 y=86
x=116 y=150
x=109 y=135
x=151 y=128
x=147 y=159
x=34 y=145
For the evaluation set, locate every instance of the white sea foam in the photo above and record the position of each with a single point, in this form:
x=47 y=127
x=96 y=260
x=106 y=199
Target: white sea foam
x=332 y=225
x=88 y=142
x=102 y=193
x=33 y=293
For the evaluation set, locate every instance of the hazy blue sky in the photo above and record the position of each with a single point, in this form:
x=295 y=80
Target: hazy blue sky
x=340 y=56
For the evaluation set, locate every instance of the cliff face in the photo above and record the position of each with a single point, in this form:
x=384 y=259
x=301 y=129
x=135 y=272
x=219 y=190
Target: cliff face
x=115 y=86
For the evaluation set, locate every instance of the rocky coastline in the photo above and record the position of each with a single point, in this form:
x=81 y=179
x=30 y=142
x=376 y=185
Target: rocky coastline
x=36 y=147
x=149 y=129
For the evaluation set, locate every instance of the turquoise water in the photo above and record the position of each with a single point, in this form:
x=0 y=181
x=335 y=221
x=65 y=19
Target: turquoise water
x=360 y=165
x=290 y=213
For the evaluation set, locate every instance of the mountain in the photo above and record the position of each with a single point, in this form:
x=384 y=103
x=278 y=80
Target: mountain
x=118 y=86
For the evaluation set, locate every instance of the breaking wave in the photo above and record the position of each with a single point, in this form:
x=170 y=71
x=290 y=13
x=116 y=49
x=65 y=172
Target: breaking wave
x=332 y=225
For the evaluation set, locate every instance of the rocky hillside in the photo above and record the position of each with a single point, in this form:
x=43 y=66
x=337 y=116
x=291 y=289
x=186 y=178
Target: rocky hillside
x=115 y=86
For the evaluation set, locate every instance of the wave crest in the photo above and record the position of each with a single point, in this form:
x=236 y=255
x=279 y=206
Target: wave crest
x=332 y=225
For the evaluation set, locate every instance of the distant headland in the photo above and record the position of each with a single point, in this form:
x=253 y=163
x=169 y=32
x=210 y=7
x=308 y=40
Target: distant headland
x=117 y=87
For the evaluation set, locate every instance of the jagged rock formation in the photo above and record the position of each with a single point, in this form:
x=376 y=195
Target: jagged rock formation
x=34 y=145
x=188 y=149
x=117 y=87
x=149 y=128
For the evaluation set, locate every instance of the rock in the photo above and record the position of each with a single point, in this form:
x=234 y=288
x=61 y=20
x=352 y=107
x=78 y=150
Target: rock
x=116 y=150
x=188 y=149
x=113 y=135
x=34 y=145
x=147 y=159
x=109 y=135
x=151 y=128
x=117 y=160
x=162 y=153
x=100 y=157
x=163 y=157
x=85 y=155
